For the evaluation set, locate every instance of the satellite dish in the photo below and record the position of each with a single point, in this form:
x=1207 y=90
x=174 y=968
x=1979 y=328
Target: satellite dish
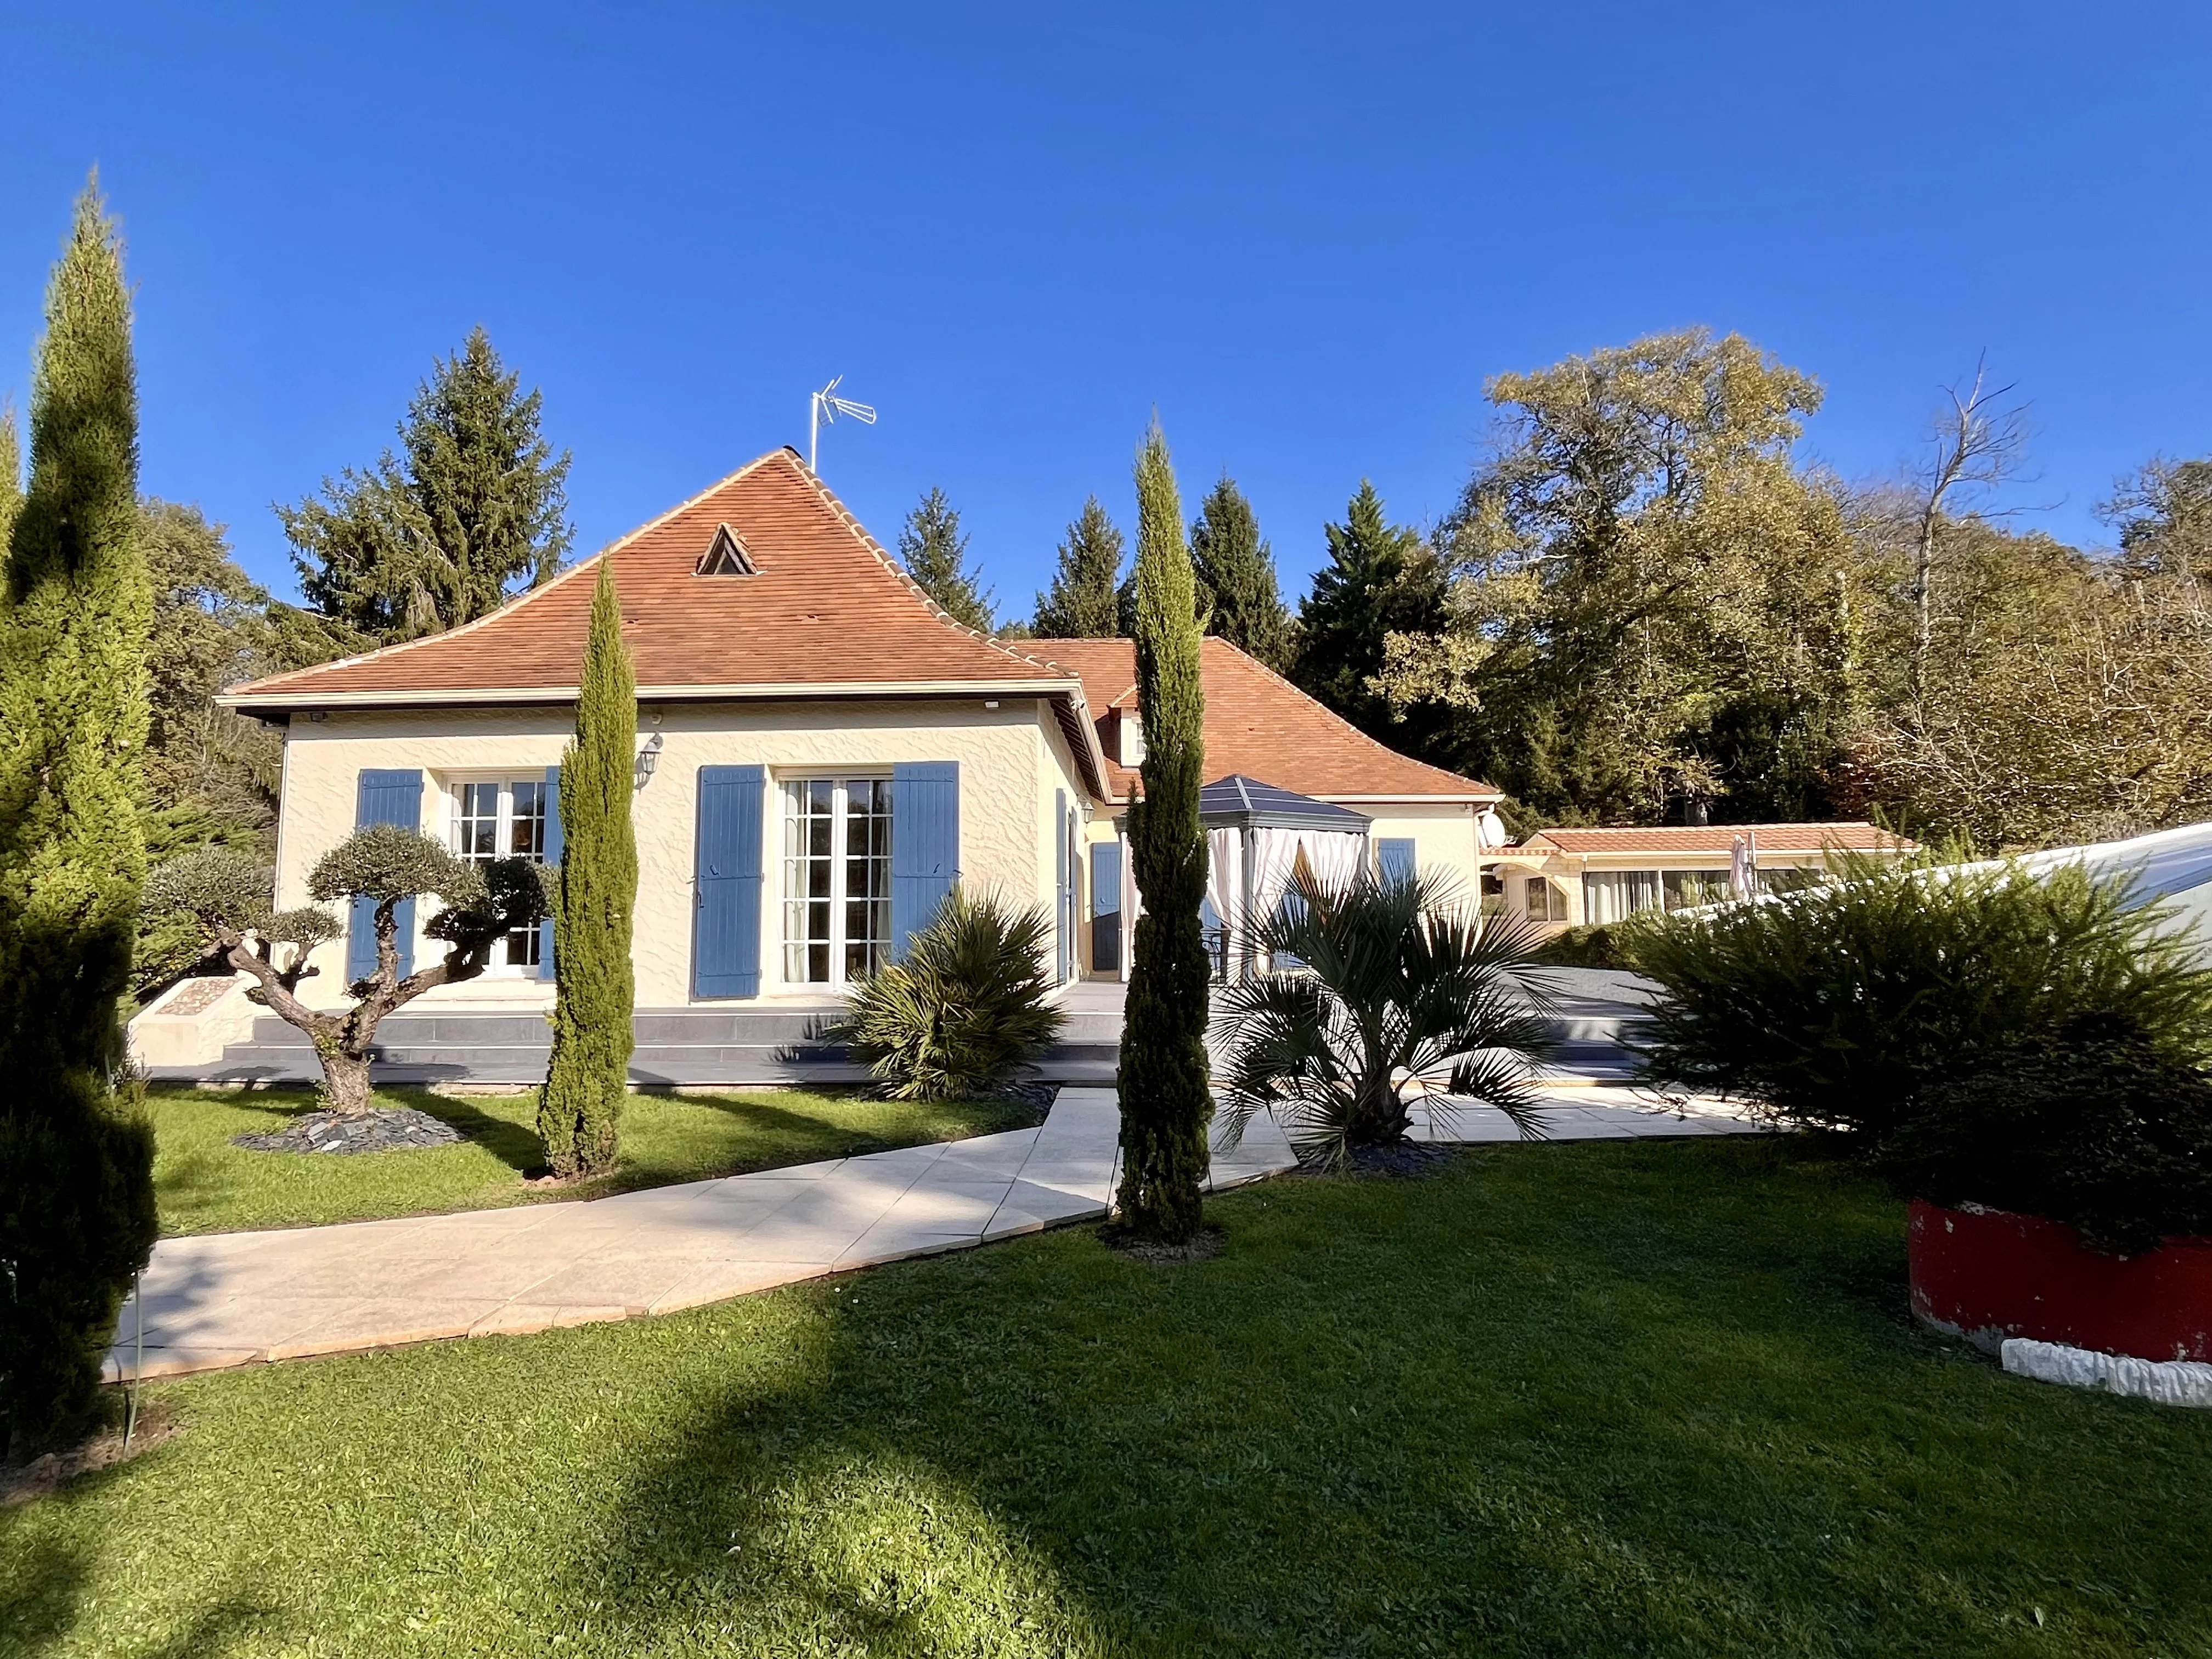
x=823 y=407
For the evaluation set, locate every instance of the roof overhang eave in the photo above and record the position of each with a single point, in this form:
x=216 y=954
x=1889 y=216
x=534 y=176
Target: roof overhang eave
x=277 y=701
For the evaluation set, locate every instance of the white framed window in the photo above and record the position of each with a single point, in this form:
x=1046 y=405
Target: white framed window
x=501 y=818
x=1543 y=901
x=836 y=878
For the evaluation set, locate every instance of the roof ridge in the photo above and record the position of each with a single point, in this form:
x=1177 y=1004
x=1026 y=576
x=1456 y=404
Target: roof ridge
x=275 y=682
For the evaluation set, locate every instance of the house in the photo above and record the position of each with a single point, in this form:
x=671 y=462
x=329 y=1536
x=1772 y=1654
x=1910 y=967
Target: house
x=822 y=753
x=1294 y=785
x=1573 y=878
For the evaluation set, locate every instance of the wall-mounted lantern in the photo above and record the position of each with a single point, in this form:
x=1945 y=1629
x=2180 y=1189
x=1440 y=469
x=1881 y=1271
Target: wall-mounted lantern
x=648 y=758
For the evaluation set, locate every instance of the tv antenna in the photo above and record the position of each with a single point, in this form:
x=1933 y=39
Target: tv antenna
x=823 y=407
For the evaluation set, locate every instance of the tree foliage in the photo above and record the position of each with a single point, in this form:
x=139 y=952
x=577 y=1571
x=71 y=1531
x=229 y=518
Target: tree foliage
x=1654 y=605
x=1409 y=992
x=1237 y=593
x=11 y=481
x=226 y=898
x=440 y=534
x=1083 y=602
x=1381 y=579
x=965 y=1012
x=77 y=1206
x=2064 y=698
x=594 y=908
x=1165 y=1101
x=1836 y=1006
x=934 y=550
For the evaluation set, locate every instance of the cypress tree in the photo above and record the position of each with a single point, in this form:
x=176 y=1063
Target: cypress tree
x=76 y=1197
x=593 y=903
x=1166 y=1103
x=1083 y=603
x=1381 y=579
x=935 y=554
x=11 y=483
x=1237 y=591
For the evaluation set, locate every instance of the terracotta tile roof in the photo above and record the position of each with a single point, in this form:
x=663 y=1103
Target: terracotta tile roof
x=1258 y=724
x=827 y=607
x=1719 y=838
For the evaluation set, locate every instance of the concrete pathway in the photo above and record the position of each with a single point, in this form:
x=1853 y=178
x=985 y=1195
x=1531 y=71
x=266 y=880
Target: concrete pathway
x=222 y=1299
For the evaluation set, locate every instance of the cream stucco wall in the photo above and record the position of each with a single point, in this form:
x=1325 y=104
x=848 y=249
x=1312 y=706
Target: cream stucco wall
x=1012 y=761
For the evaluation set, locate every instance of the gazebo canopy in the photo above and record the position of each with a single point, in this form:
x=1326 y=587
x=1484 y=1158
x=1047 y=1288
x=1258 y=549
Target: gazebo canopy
x=1237 y=802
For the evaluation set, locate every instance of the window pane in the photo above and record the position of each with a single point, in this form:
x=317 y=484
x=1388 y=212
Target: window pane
x=476 y=825
x=526 y=834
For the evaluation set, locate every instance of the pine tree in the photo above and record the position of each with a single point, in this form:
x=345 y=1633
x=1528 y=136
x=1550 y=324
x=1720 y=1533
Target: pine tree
x=439 y=535
x=1237 y=591
x=1381 y=579
x=1165 y=1102
x=594 y=904
x=935 y=554
x=76 y=1197
x=1083 y=603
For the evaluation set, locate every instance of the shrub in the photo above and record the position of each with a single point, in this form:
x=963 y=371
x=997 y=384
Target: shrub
x=1838 y=1007
x=1593 y=946
x=224 y=895
x=2092 y=1124
x=964 y=1012
x=1406 y=992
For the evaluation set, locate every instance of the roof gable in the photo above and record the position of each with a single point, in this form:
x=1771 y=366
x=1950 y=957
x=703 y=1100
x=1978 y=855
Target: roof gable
x=1259 y=724
x=823 y=606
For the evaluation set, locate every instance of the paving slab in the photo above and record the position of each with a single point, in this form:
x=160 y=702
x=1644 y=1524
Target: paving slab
x=233 y=1298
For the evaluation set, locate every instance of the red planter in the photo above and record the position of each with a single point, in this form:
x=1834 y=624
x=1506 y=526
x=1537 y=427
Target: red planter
x=1988 y=1275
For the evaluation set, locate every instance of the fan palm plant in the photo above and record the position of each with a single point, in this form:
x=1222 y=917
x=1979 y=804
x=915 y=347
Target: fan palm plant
x=963 y=1011
x=1407 y=992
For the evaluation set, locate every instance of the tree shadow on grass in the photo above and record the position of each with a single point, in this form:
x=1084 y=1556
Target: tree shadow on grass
x=42 y=1596
x=515 y=1144
x=1585 y=1423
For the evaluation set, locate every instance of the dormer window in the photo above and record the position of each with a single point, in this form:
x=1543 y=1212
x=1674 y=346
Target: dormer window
x=1128 y=736
x=725 y=556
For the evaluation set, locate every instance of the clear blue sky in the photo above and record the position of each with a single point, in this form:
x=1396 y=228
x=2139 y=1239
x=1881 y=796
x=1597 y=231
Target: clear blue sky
x=1306 y=234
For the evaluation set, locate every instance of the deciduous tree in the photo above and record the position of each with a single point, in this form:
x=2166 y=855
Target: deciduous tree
x=1654 y=606
x=77 y=1203
x=594 y=899
x=1165 y=1101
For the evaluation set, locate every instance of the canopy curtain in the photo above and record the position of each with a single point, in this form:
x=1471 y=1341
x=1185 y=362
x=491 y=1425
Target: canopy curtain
x=1224 y=885
x=1611 y=895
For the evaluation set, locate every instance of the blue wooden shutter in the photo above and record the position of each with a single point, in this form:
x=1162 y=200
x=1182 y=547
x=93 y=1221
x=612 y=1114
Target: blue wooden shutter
x=383 y=798
x=554 y=842
x=925 y=844
x=1393 y=857
x=1063 y=915
x=1106 y=907
x=726 y=933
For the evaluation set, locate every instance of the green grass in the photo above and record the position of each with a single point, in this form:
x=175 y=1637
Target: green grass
x=205 y=1184
x=1600 y=1399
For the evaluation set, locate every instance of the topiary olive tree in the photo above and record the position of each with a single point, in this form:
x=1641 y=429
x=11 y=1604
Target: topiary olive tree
x=227 y=894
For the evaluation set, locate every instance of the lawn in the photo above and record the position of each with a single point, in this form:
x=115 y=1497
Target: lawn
x=1649 y=1398
x=205 y=1184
